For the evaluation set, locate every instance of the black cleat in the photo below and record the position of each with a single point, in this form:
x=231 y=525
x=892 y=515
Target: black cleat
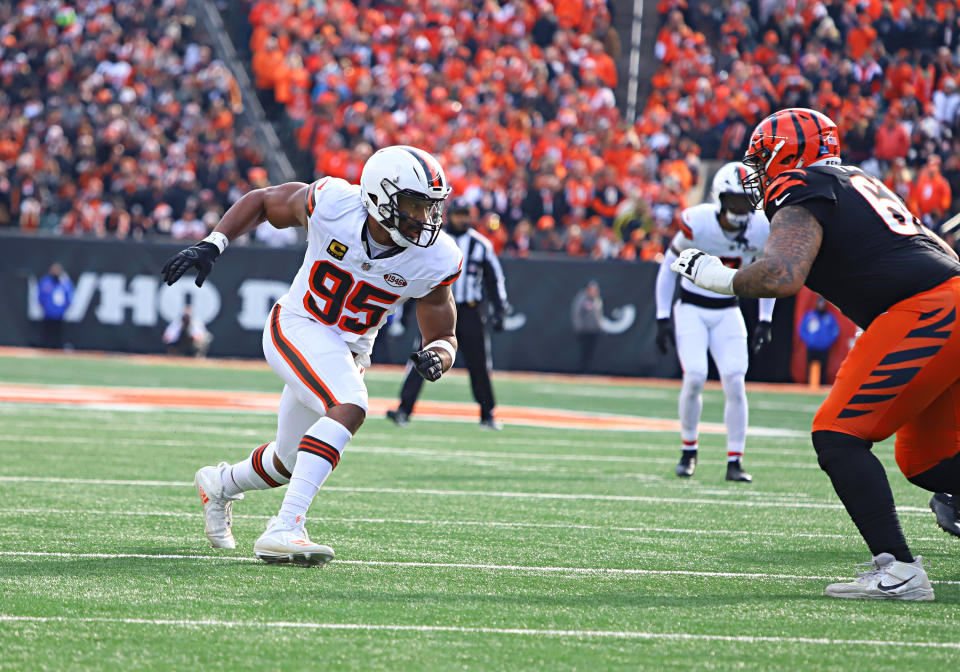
x=688 y=463
x=947 y=510
x=400 y=419
x=735 y=472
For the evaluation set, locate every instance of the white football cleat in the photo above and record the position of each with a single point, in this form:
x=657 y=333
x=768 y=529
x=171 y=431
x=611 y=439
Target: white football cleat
x=889 y=579
x=217 y=507
x=283 y=543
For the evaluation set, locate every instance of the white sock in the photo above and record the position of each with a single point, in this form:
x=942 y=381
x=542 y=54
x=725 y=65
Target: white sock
x=690 y=405
x=735 y=415
x=257 y=472
x=317 y=456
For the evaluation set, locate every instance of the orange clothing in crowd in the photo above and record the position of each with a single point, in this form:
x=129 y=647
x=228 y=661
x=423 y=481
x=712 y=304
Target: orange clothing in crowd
x=931 y=193
x=891 y=143
x=569 y=13
x=859 y=39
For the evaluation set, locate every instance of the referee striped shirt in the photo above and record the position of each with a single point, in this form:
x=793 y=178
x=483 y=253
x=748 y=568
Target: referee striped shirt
x=482 y=276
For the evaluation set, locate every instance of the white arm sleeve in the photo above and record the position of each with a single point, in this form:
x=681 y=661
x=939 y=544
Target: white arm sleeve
x=667 y=278
x=666 y=283
x=766 y=309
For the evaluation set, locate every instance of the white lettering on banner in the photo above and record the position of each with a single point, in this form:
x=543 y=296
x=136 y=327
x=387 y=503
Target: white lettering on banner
x=145 y=298
x=256 y=299
x=82 y=296
x=204 y=301
x=34 y=309
x=622 y=319
x=115 y=299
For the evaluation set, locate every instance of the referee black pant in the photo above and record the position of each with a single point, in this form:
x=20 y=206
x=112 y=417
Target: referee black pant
x=472 y=344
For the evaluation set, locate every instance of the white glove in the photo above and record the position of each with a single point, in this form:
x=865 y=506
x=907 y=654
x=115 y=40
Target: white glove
x=705 y=270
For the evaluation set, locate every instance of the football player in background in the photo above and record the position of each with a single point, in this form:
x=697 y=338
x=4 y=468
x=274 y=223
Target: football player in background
x=846 y=236
x=733 y=230
x=370 y=247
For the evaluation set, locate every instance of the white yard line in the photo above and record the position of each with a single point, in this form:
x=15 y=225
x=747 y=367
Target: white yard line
x=458 y=523
x=777 y=501
x=538 y=569
x=756 y=431
x=524 y=632
x=360 y=446
x=505 y=457
x=401 y=436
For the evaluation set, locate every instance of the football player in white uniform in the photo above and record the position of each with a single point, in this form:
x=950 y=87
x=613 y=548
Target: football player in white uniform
x=370 y=247
x=731 y=229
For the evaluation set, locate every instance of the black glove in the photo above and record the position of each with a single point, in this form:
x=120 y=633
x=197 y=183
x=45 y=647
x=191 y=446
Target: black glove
x=428 y=364
x=665 y=334
x=496 y=320
x=762 y=334
x=201 y=256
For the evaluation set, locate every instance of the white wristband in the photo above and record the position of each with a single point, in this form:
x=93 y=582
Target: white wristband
x=217 y=239
x=444 y=345
x=717 y=278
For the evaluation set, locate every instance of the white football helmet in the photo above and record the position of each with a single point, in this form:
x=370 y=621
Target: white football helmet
x=403 y=172
x=729 y=180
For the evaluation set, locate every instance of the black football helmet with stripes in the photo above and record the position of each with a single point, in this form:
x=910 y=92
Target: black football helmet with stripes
x=403 y=188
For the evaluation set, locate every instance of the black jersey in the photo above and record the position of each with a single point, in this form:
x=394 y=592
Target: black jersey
x=874 y=251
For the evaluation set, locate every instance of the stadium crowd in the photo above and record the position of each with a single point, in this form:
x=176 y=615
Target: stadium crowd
x=886 y=71
x=115 y=119
x=517 y=100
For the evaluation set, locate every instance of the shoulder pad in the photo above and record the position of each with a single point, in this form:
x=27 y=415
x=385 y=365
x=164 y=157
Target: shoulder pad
x=331 y=196
x=796 y=186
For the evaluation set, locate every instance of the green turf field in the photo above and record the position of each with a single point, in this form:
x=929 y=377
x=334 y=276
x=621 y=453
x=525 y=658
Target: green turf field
x=527 y=549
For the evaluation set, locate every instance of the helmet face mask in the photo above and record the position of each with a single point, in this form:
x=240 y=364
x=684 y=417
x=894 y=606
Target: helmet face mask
x=728 y=192
x=755 y=184
x=410 y=217
x=737 y=208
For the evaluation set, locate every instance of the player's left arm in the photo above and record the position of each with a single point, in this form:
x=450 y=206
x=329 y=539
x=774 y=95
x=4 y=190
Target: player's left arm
x=791 y=248
x=437 y=317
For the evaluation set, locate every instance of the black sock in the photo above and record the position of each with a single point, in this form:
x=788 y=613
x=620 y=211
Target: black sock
x=861 y=483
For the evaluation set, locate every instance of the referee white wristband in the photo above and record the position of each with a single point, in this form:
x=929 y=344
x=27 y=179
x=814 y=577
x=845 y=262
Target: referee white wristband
x=217 y=239
x=444 y=345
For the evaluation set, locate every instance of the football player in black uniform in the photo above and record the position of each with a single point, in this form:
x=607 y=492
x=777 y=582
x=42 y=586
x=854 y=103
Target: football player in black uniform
x=846 y=236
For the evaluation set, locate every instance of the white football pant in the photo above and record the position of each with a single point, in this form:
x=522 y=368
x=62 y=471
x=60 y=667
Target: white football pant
x=723 y=332
x=318 y=370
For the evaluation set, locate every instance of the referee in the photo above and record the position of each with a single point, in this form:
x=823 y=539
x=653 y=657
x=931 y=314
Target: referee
x=481 y=281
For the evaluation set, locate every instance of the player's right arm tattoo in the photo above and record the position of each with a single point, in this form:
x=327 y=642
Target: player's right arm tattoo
x=794 y=241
